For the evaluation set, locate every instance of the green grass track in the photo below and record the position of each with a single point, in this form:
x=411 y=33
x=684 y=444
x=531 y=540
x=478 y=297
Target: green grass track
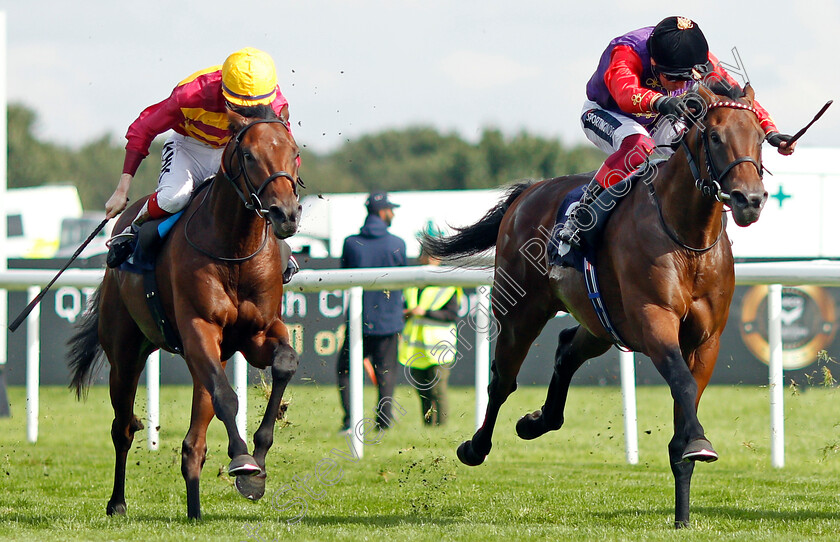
x=573 y=484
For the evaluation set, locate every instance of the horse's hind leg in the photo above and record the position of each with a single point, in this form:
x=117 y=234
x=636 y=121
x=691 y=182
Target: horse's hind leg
x=517 y=332
x=123 y=389
x=194 y=447
x=284 y=362
x=575 y=346
x=126 y=350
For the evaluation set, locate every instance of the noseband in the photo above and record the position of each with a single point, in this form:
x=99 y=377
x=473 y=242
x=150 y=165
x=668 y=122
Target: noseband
x=712 y=185
x=254 y=193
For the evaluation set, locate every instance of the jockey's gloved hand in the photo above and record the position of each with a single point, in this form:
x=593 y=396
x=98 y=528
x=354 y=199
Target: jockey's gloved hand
x=693 y=105
x=669 y=106
x=776 y=139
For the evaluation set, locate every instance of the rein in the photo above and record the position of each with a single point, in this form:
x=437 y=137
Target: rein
x=213 y=256
x=712 y=185
x=673 y=235
x=255 y=204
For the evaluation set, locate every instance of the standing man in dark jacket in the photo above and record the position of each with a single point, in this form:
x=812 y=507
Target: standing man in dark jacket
x=382 y=312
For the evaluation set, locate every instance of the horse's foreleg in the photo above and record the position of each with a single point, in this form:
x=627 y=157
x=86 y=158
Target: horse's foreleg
x=194 y=447
x=515 y=338
x=203 y=354
x=682 y=470
x=284 y=362
x=702 y=365
x=662 y=345
x=283 y=367
x=575 y=346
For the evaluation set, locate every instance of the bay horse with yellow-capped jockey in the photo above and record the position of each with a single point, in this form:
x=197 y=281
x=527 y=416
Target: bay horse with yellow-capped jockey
x=219 y=276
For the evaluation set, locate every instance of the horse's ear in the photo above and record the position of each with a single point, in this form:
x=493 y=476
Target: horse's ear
x=749 y=94
x=236 y=121
x=706 y=93
x=284 y=114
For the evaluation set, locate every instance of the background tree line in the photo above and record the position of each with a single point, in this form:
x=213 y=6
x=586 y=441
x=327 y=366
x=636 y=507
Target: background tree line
x=415 y=158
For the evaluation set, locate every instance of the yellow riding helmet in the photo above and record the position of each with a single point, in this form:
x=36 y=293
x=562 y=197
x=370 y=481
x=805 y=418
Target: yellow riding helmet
x=249 y=78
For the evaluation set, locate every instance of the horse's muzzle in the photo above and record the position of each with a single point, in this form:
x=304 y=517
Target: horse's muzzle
x=746 y=206
x=284 y=222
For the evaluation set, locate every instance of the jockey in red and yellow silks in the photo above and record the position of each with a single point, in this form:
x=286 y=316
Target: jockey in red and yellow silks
x=196 y=112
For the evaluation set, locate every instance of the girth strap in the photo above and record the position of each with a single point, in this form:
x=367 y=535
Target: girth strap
x=170 y=336
x=592 y=288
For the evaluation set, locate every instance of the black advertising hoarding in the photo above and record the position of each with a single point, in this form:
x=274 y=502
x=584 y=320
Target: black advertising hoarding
x=317 y=325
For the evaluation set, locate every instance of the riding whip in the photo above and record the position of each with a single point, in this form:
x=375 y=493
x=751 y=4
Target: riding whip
x=22 y=316
x=798 y=134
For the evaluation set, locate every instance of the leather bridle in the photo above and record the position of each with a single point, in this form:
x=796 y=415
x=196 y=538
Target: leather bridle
x=254 y=204
x=711 y=186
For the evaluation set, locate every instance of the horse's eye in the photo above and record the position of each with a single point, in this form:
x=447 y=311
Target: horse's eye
x=248 y=156
x=715 y=137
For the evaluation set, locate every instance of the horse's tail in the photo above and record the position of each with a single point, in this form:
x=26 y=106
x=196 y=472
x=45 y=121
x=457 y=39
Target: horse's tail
x=475 y=239
x=85 y=354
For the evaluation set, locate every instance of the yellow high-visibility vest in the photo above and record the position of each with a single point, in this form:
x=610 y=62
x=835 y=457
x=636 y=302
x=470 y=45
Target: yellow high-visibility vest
x=426 y=342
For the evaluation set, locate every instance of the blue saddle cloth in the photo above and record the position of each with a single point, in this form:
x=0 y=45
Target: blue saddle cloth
x=553 y=243
x=142 y=260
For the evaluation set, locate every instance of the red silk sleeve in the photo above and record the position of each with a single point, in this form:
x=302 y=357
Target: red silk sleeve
x=132 y=161
x=153 y=121
x=623 y=79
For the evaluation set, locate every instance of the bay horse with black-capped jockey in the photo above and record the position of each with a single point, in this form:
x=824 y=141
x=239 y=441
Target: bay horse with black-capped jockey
x=666 y=272
x=219 y=275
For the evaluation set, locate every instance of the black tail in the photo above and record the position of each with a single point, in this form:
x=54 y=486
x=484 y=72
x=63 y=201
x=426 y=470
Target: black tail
x=475 y=239
x=85 y=354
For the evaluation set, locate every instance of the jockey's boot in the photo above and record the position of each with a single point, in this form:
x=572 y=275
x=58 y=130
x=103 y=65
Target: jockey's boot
x=569 y=237
x=121 y=246
x=291 y=268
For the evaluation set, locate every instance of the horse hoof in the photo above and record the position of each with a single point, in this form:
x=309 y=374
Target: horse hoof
x=530 y=426
x=699 y=450
x=681 y=524
x=117 y=509
x=251 y=487
x=243 y=465
x=468 y=456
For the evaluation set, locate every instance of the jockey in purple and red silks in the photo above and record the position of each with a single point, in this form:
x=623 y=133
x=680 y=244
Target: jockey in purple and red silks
x=639 y=81
x=196 y=111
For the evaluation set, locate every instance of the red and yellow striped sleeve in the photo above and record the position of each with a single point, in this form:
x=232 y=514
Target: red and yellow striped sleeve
x=195 y=109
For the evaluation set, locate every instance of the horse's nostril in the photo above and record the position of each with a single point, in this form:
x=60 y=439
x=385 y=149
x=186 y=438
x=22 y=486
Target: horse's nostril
x=277 y=214
x=738 y=198
x=752 y=200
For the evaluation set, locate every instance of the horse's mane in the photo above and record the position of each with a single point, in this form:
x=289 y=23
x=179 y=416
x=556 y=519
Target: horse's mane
x=256 y=112
x=733 y=91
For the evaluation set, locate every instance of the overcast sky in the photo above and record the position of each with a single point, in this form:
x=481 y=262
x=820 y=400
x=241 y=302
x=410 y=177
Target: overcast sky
x=353 y=67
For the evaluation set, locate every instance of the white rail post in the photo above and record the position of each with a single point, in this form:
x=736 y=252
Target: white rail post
x=357 y=370
x=4 y=294
x=482 y=353
x=153 y=399
x=33 y=364
x=240 y=382
x=777 y=408
x=627 y=365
